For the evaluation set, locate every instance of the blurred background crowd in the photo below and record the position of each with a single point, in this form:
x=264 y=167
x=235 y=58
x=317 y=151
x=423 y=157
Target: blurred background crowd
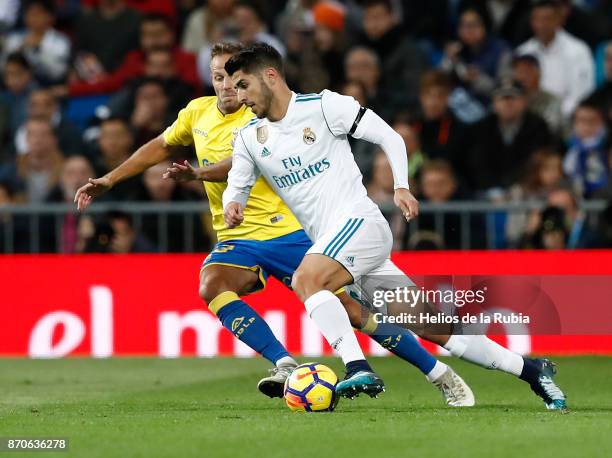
x=499 y=101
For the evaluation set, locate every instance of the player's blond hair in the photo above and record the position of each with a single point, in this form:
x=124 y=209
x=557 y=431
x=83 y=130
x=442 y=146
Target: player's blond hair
x=225 y=47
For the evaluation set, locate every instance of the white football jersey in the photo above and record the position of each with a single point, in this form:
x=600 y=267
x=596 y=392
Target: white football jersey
x=306 y=158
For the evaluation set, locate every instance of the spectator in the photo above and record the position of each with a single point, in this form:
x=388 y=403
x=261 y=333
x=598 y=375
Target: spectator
x=502 y=142
x=19 y=85
x=9 y=13
x=103 y=37
x=586 y=161
x=43 y=105
x=158 y=7
x=551 y=233
x=160 y=65
x=578 y=233
x=603 y=94
x=439 y=185
x=566 y=61
x=46 y=49
x=380 y=188
x=526 y=70
x=156 y=32
x=75 y=172
x=150 y=116
x=477 y=59
x=157 y=189
x=440 y=132
x=401 y=61
x=543 y=174
x=205 y=25
x=116 y=234
x=315 y=64
x=16 y=240
x=362 y=66
x=116 y=144
x=249 y=27
x=510 y=19
x=591 y=27
x=37 y=171
x=416 y=157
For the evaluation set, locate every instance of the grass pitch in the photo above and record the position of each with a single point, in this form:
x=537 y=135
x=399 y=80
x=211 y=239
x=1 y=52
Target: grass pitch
x=149 y=407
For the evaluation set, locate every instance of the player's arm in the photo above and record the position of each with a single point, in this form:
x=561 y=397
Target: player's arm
x=345 y=116
x=186 y=172
x=240 y=180
x=144 y=157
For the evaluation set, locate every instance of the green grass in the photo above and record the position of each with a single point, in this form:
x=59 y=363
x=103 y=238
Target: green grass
x=210 y=408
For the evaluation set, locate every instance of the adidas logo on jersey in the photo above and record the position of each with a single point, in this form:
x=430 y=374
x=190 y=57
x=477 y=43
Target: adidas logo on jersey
x=350 y=260
x=265 y=152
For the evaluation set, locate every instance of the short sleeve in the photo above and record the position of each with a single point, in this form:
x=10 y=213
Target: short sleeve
x=179 y=133
x=340 y=111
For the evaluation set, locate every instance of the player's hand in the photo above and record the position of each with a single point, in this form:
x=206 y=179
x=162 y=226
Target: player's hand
x=94 y=188
x=181 y=172
x=407 y=203
x=233 y=215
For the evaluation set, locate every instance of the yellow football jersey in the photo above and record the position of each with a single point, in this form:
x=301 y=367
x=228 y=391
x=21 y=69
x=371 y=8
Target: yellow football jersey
x=201 y=123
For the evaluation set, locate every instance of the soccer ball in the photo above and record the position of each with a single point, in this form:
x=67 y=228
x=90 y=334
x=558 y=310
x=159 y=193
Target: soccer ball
x=311 y=387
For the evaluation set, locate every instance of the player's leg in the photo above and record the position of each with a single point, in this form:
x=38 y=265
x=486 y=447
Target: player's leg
x=402 y=343
x=315 y=281
x=477 y=349
x=221 y=287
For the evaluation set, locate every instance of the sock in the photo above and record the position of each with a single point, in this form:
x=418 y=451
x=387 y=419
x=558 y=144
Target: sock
x=437 y=371
x=355 y=366
x=484 y=352
x=286 y=361
x=328 y=313
x=246 y=324
x=402 y=343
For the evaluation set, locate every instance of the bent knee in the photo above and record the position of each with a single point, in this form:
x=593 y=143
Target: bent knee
x=211 y=285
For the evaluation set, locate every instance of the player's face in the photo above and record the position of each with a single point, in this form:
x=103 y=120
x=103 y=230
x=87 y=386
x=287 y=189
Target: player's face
x=223 y=85
x=253 y=92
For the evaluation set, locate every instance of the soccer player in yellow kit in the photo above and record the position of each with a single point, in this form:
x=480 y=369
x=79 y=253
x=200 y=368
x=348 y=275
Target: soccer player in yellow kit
x=269 y=242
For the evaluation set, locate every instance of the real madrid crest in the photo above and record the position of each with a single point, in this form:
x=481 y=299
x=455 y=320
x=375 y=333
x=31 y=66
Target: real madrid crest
x=262 y=134
x=309 y=136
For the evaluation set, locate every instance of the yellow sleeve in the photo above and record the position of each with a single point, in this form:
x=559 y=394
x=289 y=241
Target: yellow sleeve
x=179 y=133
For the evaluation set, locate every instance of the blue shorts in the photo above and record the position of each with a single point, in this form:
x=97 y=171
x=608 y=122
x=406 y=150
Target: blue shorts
x=278 y=257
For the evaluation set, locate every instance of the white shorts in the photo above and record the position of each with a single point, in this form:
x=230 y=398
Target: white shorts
x=360 y=244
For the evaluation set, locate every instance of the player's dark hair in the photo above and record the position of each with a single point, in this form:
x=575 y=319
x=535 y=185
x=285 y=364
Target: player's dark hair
x=225 y=47
x=18 y=58
x=157 y=17
x=47 y=5
x=255 y=58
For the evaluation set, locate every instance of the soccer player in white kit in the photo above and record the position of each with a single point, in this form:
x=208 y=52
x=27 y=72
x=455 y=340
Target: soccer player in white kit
x=299 y=144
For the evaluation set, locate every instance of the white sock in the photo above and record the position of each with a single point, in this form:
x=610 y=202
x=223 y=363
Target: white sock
x=286 y=361
x=330 y=316
x=484 y=352
x=437 y=371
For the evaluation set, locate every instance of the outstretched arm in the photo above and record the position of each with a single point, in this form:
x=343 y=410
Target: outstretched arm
x=186 y=172
x=240 y=180
x=144 y=157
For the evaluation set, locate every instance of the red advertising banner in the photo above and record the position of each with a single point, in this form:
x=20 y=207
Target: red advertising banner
x=112 y=305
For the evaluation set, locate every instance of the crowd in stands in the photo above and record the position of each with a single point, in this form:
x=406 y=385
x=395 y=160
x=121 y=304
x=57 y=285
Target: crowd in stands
x=499 y=101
